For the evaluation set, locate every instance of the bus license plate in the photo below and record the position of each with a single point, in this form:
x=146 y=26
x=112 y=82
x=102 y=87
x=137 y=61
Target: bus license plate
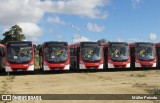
x=20 y=70
x=91 y=67
x=56 y=69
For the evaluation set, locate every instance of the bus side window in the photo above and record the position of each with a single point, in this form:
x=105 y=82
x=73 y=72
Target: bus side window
x=75 y=51
x=2 y=52
x=71 y=51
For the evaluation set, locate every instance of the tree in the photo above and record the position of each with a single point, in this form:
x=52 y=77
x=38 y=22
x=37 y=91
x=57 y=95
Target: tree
x=102 y=40
x=14 y=34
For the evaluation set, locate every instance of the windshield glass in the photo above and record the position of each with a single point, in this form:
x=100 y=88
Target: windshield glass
x=56 y=53
x=118 y=53
x=91 y=53
x=145 y=53
x=19 y=54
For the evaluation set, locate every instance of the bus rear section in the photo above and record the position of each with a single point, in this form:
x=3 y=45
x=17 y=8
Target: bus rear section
x=86 y=55
x=54 y=56
x=143 y=54
x=158 y=54
x=20 y=56
x=116 y=55
x=2 y=57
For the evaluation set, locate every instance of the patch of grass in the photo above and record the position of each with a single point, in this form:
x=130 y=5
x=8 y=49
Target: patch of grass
x=10 y=78
x=140 y=85
x=26 y=83
x=154 y=91
x=141 y=75
x=138 y=75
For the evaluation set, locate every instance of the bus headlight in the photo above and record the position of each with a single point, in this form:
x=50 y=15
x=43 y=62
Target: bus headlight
x=7 y=65
x=8 y=68
x=137 y=61
x=31 y=64
x=45 y=64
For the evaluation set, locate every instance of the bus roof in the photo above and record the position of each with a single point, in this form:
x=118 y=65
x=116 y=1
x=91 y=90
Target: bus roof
x=55 y=42
x=84 y=42
x=20 y=42
x=137 y=43
x=1 y=45
x=108 y=43
x=157 y=44
x=142 y=42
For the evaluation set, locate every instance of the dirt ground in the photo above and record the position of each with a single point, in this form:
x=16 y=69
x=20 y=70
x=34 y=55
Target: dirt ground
x=119 y=82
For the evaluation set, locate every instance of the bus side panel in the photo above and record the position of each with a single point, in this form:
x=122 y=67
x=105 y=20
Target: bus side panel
x=40 y=58
x=132 y=56
x=78 y=58
x=2 y=58
x=74 y=62
x=105 y=58
x=158 y=56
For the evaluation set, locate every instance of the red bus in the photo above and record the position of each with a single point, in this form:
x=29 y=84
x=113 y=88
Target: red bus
x=143 y=54
x=158 y=53
x=54 y=56
x=2 y=57
x=116 y=55
x=19 y=56
x=86 y=55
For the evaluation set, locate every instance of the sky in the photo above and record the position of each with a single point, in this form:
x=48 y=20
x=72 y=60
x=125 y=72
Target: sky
x=83 y=20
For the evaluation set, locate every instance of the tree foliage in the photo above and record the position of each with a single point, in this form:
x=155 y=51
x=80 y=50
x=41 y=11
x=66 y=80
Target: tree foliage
x=102 y=40
x=14 y=34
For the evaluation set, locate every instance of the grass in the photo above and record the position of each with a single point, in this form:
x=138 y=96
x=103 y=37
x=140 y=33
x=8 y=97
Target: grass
x=140 y=85
x=141 y=75
x=138 y=75
x=154 y=91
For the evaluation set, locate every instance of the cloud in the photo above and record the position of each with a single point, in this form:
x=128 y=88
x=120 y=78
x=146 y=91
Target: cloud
x=95 y=27
x=135 y=39
x=79 y=38
x=55 y=20
x=31 y=30
x=152 y=36
x=120 y=40
x=30 y=12
x=59 y=37
x=13 y=11
x=135 y=3
x=87 y=8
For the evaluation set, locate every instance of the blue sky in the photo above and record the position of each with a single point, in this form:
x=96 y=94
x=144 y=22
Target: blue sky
x=76 y=20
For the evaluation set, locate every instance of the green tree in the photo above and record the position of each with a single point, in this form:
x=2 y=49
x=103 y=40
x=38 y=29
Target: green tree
x=102 y=40
x=14 y=34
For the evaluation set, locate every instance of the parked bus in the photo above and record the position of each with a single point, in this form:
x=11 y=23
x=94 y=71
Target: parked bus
x=20 y=56
x=86 y=55
x=143 y=54
x=2 y=57
x=54 y=56
x=158 y=54
x=116 y=55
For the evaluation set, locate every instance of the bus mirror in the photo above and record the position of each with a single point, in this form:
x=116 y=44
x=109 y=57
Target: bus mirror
x=34 y=49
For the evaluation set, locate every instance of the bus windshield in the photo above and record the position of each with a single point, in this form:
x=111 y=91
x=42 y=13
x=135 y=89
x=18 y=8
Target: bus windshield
x=19 y=54
x=91 y=53
x=145 y=53
x=118 y=53
x=56 y=53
